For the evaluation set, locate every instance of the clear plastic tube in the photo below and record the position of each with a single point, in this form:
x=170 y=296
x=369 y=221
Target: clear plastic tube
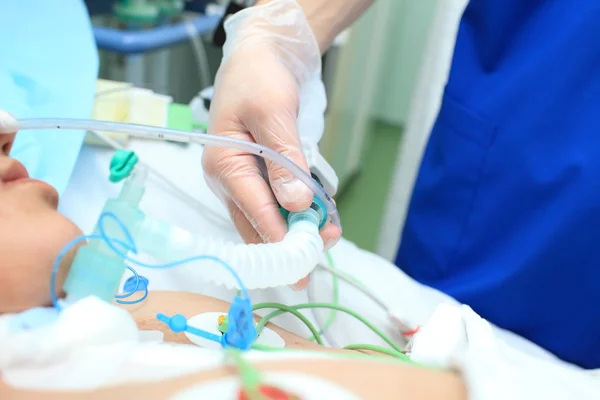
x=151 y=132
x=259 y=266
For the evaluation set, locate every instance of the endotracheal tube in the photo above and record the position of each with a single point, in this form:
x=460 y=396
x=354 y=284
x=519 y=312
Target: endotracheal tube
x=97 y=268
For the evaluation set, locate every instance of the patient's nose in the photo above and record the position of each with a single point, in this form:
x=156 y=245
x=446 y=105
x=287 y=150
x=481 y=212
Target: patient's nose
x=8 y=129
x=6 y=141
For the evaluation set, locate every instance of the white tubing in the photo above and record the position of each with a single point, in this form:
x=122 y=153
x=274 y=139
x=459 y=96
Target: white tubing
x=200 y=54
x=152 y=132
x=258 y=265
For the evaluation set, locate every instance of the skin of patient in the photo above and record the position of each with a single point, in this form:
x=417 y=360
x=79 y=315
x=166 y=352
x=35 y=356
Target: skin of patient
x=191 y=304
x=33 y=234
x=374 y=378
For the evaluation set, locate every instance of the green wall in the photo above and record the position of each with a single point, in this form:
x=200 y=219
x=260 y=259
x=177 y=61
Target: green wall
x=405 y=42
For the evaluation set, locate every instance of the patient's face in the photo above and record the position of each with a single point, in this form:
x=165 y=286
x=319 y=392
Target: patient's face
x=32 y=233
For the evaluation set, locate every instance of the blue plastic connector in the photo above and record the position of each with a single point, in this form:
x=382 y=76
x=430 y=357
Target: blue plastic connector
x=241 y=331
x=178 y=323
x=140 y=281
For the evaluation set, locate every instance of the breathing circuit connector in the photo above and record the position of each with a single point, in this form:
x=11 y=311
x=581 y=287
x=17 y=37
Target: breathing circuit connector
x=96 y=269
x=317 y=205
x=122 y=164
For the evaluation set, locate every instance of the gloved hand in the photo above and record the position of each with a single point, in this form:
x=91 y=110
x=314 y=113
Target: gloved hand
x=270 y=55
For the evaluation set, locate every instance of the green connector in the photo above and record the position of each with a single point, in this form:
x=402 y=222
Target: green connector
x=316 y=205
x=121 y=165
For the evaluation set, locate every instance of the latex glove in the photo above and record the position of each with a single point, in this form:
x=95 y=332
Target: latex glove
x=269 y=56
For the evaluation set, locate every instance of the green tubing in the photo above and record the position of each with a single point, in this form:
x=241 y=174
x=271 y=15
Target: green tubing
x=282 y=308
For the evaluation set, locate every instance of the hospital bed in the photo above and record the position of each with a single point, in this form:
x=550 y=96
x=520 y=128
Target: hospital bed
x=397 y=302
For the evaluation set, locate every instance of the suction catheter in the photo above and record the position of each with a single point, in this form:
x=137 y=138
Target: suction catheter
x=97 y=270
x=151 y=132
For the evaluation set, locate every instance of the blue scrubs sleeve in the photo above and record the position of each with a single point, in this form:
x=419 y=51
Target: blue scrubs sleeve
x=505 y=213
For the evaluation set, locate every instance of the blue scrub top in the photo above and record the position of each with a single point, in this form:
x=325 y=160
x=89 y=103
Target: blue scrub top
x=505 y=214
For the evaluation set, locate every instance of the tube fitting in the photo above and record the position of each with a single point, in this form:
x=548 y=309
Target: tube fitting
x=316 y=206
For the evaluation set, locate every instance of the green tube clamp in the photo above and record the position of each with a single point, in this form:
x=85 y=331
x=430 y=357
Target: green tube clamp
x=121 y=165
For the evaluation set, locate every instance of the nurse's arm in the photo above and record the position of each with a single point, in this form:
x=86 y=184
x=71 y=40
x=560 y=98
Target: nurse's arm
x=328 y=18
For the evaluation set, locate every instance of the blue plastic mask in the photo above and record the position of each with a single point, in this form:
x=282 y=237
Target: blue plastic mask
x=48 y=68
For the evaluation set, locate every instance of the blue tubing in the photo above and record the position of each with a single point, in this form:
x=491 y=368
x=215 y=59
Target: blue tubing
x=136 y=42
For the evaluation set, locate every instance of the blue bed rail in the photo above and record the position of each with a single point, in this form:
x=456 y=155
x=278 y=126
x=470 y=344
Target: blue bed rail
x=135 y=42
